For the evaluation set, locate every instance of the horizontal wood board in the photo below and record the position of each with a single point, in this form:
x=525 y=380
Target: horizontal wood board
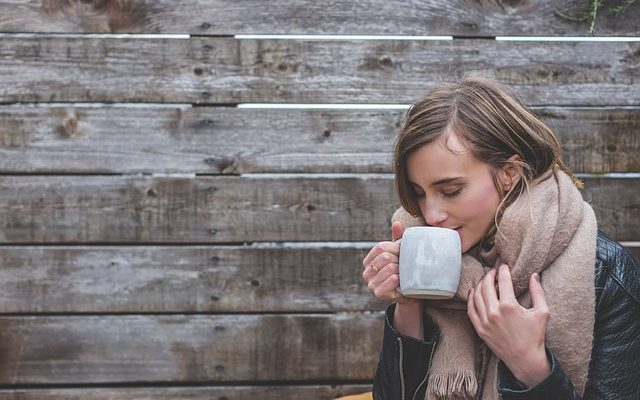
x=186 y=279
x=189 y=348
x=214 y=140
x=373 y=17
x=635 y=252
x=277 y=392
x=105 y=279
x=251 y=208
x=231 y=71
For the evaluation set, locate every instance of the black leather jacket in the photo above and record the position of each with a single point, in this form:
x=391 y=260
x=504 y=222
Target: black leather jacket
x=614 y=372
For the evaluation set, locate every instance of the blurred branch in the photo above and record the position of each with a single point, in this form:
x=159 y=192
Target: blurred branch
x=591 y=13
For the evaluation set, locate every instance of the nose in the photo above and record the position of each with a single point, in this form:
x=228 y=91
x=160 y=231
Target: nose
x=433 y=214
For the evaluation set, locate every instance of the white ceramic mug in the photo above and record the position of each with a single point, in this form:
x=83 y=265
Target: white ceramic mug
x=430 y=262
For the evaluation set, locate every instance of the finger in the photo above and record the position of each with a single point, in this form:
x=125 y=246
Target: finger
x=471 y=310
x=386 y=289
x=375 y=250
x=368 y=274
x=376 y=278
x=385 y=258
x=478 y=302
x=379 y=263
x=505 y=285
x=379 y=248
x=396 y=230
x=537 y=294
x=489 y=292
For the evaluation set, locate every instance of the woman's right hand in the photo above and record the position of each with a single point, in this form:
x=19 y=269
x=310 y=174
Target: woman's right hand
x=381 y=269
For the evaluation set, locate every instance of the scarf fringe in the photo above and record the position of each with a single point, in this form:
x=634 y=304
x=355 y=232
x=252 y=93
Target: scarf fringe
x=459 y=385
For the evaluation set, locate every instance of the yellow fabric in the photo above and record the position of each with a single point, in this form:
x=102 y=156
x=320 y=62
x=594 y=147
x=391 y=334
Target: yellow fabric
x=362 y=396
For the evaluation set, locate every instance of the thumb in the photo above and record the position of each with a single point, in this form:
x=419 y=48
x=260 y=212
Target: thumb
x=396 y=230
x=537 y=293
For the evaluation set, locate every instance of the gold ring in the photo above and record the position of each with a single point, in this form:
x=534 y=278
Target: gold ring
x=374 y=267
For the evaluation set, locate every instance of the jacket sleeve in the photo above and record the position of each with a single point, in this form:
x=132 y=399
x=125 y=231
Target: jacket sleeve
x=404 y=361
x=615 y=358
x=556 y=386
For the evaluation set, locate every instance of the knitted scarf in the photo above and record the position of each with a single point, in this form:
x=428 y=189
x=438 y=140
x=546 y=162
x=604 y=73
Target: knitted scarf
x=549 y=230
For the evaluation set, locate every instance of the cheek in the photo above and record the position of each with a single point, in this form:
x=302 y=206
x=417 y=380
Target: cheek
x=482 y=207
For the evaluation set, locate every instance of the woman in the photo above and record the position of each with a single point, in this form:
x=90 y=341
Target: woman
x=532 y=318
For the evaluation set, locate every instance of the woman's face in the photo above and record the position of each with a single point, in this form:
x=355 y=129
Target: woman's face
x=454 y=189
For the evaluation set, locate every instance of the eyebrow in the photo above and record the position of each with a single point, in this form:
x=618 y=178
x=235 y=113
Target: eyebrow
x=443 y=181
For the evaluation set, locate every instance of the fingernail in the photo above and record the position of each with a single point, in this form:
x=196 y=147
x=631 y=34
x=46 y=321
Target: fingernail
x=469 y=292
x=536 y=277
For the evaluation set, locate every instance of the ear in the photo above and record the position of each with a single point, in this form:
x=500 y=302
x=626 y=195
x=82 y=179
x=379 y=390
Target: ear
x=511 y=173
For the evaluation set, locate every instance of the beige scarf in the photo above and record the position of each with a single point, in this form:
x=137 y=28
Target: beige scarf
x=549 y=230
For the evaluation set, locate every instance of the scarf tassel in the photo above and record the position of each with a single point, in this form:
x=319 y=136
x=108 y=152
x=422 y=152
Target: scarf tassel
x=459 y=385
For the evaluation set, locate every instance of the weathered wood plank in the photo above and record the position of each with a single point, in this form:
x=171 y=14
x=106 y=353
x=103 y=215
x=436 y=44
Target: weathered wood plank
x=230 y=140
x=185 y=279
x=293 y=392
x=279 y=207
x=635 y=252
x=229 y=71
x=418 y=17
x=189 y=348
x=278 y=278
x=186 y=210
x=616 y=204
x=597 y=140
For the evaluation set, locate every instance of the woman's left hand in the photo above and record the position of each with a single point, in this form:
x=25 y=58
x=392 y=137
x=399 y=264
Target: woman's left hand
x=514 y=334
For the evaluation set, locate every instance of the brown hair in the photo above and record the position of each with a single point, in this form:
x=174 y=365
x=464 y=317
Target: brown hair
x=492 y=123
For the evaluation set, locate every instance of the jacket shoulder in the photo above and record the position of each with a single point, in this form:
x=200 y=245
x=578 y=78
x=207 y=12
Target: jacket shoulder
x=615 y=263
x=614 y=361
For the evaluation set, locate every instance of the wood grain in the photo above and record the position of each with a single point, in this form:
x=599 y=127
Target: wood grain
x=280 y=392
x=373 y=17
x=190 y=210
x=271 y=278
x=217 y=140
x=597 y=140
x=278 y=207
x=189 y=348
x=139 y=248
x=635 y=252
x=231 y=71
x=188 y=279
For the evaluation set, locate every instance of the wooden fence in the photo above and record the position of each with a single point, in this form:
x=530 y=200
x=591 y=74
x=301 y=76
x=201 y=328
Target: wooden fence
x=158 y=242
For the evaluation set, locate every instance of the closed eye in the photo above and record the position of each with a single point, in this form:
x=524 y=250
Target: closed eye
x=452 y=194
